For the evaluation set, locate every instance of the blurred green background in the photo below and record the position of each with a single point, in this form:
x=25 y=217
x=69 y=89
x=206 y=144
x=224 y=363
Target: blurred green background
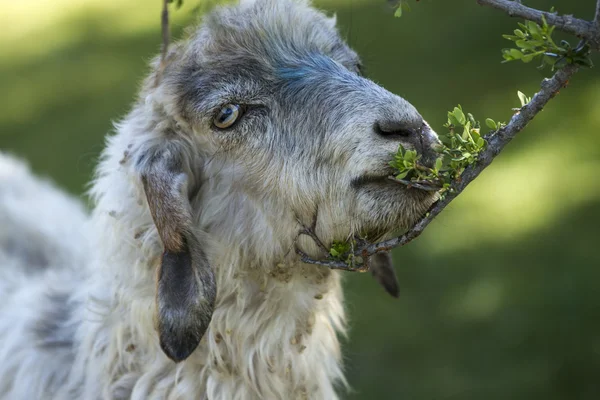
x=499 y=297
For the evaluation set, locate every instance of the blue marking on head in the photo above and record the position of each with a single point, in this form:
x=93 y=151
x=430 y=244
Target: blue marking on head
x=294 y=73
x=316 y=67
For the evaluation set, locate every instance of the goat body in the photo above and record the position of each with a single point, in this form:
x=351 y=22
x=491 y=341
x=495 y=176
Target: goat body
x=188 y=254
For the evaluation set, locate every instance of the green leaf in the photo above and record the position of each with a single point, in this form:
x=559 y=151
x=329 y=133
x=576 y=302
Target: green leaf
x=438 y=164
x=523 y=98
x=527 y=58
x=466 y=132
x=459 y=115
x=402 y=175
x=535 y=30
x=522 y=44
x=491 y=124
x=544 y=22
x=452 y=120
x=410 y=155
x=398 y=12
x=516 y=54
x=532 y=27
x=472 y=119
x=526 y=44
x=507 y=57
x=519 y=33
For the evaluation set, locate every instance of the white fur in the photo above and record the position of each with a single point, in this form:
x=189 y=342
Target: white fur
x=270 y=337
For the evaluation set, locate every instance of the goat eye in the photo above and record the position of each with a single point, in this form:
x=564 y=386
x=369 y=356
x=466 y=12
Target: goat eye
x=227 y=116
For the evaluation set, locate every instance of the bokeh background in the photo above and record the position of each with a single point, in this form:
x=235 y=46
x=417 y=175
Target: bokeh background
x=500 y=297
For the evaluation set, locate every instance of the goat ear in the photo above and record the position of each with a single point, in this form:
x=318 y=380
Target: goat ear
x=382 y=269
x=186 y=286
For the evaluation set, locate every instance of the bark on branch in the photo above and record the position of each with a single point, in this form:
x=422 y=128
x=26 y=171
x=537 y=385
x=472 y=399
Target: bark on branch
x=496 y=141
x=587 y=30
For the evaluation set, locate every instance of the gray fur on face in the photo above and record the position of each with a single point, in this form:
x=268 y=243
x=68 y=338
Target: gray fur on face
x=305 y=105
x=314 y=138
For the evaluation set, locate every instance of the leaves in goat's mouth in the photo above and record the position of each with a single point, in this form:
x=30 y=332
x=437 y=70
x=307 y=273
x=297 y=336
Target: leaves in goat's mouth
x=460 y=148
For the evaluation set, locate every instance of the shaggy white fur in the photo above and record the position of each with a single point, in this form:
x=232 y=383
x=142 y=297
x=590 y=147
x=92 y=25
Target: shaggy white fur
x=86 y=315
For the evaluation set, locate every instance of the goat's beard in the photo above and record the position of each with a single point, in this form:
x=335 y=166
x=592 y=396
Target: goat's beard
x=387 y=208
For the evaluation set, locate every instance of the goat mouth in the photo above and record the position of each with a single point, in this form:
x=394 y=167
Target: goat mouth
x=389 y=179
x=370 y=179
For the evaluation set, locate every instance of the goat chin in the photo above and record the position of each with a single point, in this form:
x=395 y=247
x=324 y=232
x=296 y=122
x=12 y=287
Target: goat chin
x=183 y=283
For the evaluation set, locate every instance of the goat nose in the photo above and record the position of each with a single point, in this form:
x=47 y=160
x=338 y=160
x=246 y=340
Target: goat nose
x=394 y=130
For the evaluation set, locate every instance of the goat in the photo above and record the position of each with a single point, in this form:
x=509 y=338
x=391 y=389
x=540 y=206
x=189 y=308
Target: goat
x=183 y=283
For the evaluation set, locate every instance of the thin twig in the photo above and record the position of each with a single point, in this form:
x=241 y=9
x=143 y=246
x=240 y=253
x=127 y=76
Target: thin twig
x=566 y=23
x=310 y=231
x=166 y=38
x=166 y=33
x=496 y=141
x=422 y=185
x=333 y=264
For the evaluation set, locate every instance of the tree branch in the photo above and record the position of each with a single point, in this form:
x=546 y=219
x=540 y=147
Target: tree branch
x=566 y=23
x=496 y=141
x=166 y=38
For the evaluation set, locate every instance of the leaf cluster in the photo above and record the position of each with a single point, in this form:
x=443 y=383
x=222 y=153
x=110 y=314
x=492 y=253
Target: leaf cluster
x=535 y=41
x=343 y=251
x=460 y=148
